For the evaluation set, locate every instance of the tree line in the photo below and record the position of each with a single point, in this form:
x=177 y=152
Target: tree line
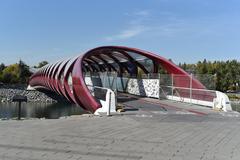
x=17 y=73
x=226 y=74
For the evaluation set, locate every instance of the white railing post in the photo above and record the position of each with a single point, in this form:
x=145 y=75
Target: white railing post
x=109 y=106
x=159 y=90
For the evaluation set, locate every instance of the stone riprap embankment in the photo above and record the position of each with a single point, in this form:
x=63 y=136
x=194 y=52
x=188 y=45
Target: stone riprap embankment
x=8 y=91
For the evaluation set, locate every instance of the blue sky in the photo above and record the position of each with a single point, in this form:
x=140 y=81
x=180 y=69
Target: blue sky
x=183 y=30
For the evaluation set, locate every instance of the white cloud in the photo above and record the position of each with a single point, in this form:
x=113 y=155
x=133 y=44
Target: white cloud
x=136 y=26
x=138 y=13
x=128 y=33
x=142 y=13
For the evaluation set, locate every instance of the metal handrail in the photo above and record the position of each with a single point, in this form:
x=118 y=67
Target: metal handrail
x=97 y=87
x=197 y=89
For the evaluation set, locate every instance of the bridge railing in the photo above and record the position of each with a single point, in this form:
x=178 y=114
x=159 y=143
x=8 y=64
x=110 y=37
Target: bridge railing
x=162 y=86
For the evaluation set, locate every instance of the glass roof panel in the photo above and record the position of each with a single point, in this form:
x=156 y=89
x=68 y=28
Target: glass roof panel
x=136 y=56
x=107 y=58
x=97 y=60
x=119 y=56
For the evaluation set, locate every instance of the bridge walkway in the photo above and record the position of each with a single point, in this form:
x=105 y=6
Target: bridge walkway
x=137 y=104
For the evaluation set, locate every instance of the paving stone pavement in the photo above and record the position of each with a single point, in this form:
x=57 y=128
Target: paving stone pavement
x=143 y=132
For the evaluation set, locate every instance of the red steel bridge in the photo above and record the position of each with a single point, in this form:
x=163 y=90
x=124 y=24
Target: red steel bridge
x=67 y=77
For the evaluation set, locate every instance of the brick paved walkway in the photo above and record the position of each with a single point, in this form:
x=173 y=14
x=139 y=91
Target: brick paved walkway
x=145 y=131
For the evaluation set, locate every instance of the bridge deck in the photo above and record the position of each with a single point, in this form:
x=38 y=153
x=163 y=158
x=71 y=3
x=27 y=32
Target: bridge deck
x=151 y=105
x=149 y=129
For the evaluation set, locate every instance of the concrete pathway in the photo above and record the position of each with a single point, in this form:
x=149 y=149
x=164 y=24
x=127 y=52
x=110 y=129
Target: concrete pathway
x=154 y=130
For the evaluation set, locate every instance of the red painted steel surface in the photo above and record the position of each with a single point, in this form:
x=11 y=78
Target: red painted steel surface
x=55 y=76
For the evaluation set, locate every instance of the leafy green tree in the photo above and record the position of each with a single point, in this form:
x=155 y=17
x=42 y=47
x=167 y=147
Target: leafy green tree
x=41 y=64
x=15 y=73
x=225 y=75
x=10 y=74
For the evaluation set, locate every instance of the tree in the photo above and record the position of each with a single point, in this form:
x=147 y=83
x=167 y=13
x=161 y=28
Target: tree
x=224 y=75
x=10 y=74
x=24 y=72
x=41 y=64
x=2 y=66
x=15 y=73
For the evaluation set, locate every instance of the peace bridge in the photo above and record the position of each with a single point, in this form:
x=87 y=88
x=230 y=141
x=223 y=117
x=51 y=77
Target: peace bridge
x=96 y=80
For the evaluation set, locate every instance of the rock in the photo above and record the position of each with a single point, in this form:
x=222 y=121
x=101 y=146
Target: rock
x=7 y=92
x=3 y=100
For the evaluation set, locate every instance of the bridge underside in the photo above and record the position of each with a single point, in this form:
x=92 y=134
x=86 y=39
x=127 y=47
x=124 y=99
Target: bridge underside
x=69 y=77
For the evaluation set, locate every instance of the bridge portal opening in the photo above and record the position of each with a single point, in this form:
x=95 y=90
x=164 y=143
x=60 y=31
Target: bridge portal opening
x=122 y=71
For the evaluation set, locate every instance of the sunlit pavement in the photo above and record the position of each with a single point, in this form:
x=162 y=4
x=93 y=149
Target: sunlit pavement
x=149 y=129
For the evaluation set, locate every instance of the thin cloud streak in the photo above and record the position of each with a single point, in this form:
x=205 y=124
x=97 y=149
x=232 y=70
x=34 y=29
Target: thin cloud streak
x=142 y=13
x=128 y=33
x=136 y=28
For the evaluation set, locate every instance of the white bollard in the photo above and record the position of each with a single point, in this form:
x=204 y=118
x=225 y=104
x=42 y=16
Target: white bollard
x=109 y=106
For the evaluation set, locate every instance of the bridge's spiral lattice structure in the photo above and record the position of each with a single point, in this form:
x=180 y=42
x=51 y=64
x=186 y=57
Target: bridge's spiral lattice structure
x=67 y=77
